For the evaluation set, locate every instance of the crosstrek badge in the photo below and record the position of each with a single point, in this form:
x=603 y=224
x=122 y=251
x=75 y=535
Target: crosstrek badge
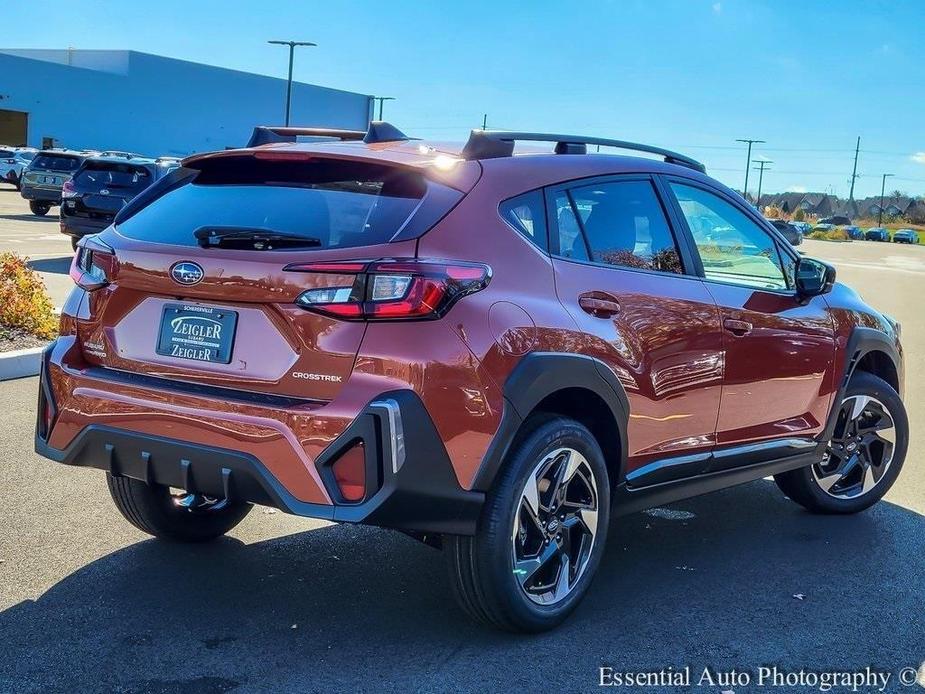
x=317 y=377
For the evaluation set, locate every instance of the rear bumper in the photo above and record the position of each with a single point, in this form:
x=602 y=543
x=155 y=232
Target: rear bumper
x=81 y=226
x=411 y=484
x=30 y=192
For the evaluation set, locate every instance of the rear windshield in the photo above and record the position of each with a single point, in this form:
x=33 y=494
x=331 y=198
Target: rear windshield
x=55 y=162
x=116 y=177
x=340 y=204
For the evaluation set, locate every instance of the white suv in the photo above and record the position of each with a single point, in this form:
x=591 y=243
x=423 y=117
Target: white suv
x=13 y=160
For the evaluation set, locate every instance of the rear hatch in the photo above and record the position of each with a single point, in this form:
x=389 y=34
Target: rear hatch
x=200 y=281
x=51 y=169
x=101 y=188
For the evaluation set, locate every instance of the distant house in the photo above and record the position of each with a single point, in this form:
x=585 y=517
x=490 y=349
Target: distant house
x=900 y=207
x=817 y=204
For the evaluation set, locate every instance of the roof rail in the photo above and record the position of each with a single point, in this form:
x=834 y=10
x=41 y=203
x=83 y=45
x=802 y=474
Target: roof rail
x=491 y=144
x=379 y=131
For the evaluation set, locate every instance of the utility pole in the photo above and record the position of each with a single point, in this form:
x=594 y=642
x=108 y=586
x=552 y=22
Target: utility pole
x=882 y=189
x=762 y=163
x=748 y=163
x=485 y=121
x=292 y=45
x=382 y=99
x=854 y=172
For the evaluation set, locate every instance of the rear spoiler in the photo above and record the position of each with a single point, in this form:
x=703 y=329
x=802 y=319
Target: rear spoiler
x=379 y=131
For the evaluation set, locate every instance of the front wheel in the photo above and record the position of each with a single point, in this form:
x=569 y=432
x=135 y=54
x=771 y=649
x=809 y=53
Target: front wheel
x=39 y=209
x=864 y=457
x=179 y=516
x=541 y=534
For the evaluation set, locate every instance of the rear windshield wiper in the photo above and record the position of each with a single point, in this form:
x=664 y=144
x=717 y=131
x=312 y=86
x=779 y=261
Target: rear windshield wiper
x=251 y=238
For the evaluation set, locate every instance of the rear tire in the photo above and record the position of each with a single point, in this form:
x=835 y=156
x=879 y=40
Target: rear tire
x=541 y=534
x=39 y=209
x=865 y=455
x=154 y=510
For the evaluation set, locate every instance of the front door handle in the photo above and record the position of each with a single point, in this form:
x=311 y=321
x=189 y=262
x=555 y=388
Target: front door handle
x=599 y=304
x=737 y=327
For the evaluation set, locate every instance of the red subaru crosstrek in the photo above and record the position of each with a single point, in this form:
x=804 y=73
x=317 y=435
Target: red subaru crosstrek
x=493 y=353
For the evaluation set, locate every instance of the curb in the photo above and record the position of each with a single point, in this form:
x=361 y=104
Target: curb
x=20 y=363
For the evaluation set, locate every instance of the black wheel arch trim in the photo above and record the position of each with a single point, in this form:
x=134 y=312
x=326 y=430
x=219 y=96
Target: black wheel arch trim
x=537 y=376
x=861 y=342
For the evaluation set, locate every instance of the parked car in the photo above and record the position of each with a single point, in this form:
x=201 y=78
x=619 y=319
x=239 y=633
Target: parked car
x=802 y=226
x=13 y=162
x=906 y=236
x=877 y=234
x=835 y=220
x=121 y=155
x=854 y=233
x=491 y=353
x=823 y=227
x=43 y=178
x=789 y=232
x=100 y=188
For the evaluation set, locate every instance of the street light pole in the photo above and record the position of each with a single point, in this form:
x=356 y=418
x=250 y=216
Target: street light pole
x=748 y=163
x=882 y=190
x=760 y=168
x=292 y=45
x=382 y=99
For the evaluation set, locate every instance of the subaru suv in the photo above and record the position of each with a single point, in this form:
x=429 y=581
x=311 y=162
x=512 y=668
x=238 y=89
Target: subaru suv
x=494 y=353
x=45 y=176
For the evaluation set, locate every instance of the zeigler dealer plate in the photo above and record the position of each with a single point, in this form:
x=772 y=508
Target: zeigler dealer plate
x=198 y=333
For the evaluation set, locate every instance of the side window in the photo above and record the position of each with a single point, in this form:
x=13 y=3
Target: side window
x=732 y=247
x=624 y=225
x=527 y=214
x=571 y=242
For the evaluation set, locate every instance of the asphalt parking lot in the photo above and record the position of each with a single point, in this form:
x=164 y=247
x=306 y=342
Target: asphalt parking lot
x=736 y=580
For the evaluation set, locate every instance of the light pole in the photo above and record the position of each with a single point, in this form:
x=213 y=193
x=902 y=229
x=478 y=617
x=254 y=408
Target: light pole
x=882 y=189
x=292 y=45
x=760 y=168
x=748 y=163
x=382 y=99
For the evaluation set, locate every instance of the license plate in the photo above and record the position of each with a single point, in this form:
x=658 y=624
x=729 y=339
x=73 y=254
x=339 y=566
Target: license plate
x=198 y=333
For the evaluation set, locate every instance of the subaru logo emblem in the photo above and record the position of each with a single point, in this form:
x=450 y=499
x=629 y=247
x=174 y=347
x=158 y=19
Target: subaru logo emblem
x=187 y=273
x=104 y=191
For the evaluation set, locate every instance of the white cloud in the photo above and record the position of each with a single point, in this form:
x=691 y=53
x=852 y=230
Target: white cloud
x=918 y=157
x=796 y=189
x=717 y=7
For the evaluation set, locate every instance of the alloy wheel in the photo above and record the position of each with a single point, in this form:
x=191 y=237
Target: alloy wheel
x=195 y=502
x=555 y=526
x=861 y=450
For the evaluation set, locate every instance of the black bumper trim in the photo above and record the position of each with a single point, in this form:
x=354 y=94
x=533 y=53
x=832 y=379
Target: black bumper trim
x=423 y=495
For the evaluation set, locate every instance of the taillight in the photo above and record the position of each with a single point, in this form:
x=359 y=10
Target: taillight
x=67 y=190
x=392 y=289
x=93 y=265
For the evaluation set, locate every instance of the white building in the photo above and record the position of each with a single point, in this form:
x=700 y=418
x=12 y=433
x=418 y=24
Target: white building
x=137 y=102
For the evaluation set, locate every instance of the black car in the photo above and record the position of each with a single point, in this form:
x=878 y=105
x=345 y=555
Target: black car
x=877 y=234
x=100 y=188
x=836 y=220
x=789 y=232
x=44 y=178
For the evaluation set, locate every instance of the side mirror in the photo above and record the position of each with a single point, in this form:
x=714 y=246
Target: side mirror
x=814 y=277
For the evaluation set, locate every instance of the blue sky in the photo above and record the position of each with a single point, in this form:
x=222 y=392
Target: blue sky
x=807 y=76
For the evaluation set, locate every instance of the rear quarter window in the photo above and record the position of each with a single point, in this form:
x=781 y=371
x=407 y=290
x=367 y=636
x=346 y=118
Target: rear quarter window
x=527 y=214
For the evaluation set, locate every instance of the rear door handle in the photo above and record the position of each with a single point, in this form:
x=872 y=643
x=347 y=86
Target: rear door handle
x=599 y=304
x=737 y=327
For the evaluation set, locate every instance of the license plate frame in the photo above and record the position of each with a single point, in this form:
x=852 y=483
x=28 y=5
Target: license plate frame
x=197 y=333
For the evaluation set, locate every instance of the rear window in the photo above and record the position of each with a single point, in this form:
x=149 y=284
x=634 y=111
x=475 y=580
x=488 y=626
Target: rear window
x=121 y=177
x=55 y=162
x=341 y=204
